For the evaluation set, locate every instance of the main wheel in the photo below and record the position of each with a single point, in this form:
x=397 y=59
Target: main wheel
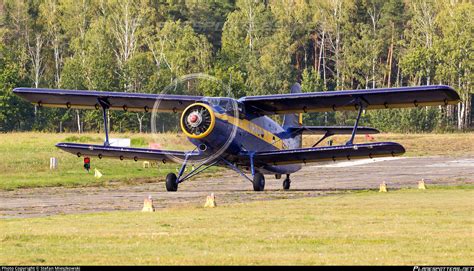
x=258 y=182
x=171 y=184
x=286 y=184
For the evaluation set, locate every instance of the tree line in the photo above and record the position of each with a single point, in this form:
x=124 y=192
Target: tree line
x=254 y=47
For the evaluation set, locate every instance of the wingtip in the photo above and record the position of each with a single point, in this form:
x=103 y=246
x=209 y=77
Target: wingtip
x=375 y=130
x=18 y=90
x=59 y=145
x=401 y=150
x=450 y=91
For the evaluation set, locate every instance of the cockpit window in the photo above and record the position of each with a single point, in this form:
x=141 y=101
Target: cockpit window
x=229 y=105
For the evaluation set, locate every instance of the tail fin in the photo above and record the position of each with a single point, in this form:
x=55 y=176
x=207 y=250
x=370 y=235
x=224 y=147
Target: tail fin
x=294 y=120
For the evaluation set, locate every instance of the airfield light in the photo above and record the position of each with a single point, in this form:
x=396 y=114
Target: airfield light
x=87 y=163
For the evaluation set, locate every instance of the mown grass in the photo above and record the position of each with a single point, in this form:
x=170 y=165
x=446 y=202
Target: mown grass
x=404 y=227
x=25 y=161
x=25 y=156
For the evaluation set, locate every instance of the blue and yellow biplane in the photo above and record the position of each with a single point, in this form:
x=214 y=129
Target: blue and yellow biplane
x=250 y=141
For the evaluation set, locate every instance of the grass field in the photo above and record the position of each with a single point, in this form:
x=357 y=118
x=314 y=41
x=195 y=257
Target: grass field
x=408 y=227
x=25 y=157
x=25 y=161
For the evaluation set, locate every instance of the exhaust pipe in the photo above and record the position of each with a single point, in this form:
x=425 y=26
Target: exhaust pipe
x=202 y=147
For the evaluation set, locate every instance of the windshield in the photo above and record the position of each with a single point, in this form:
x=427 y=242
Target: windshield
x=228 y=105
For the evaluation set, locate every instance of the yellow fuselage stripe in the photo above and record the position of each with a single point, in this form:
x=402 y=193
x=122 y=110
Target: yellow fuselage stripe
x=254 y=129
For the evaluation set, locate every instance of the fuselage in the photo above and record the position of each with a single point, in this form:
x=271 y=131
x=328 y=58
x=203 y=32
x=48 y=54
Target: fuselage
x=222 y=125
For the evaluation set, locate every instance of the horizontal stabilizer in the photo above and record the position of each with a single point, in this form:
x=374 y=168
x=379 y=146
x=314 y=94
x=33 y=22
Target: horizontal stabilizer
x=331 y=130
x=334 y=153
x=351 y=99
x=89 y=99
x=124 y=153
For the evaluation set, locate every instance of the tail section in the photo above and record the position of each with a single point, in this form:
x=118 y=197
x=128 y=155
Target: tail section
x=294 y=120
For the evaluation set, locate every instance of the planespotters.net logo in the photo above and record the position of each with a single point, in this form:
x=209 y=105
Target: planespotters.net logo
x=443 y=268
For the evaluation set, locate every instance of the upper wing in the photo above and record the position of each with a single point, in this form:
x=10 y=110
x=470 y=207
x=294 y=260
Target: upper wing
x=331 y=130
x=318 y=154
x=349 y=100
x=125 y=152
x=118 y=100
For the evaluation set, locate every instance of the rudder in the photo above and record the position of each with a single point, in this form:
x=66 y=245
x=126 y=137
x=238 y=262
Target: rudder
x=294 y=120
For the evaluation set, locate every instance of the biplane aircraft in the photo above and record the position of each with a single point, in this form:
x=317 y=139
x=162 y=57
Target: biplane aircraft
x=253 y=142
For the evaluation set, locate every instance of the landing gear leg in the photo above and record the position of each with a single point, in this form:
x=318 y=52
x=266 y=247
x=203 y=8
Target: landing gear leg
x=287 y=182
x=258 y=178
x=172 y=180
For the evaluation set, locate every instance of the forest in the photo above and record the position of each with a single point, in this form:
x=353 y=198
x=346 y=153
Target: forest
x=253 y=47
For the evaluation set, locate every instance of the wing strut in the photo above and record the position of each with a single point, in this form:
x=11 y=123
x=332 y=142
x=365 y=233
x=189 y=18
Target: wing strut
x=104 y=103
x=361 y=107
x=326 y=135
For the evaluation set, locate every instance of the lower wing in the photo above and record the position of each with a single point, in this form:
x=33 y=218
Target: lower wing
x=335 y=153
x=125 y=152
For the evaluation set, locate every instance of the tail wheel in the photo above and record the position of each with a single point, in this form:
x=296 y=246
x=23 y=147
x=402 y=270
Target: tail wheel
x=258 y=182
x=171 y=184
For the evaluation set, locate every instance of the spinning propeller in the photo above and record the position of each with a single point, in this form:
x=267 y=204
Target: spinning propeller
x=198 y=120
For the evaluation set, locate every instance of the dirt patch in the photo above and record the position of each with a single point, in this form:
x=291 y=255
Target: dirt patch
x=311 y=181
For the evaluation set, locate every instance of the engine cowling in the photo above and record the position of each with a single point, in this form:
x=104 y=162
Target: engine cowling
x=198 y=120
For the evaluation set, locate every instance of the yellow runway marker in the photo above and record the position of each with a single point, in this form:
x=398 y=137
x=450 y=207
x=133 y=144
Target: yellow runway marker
x=97 y=174
x=210 y=201
x=421 y=184
x=148 y=205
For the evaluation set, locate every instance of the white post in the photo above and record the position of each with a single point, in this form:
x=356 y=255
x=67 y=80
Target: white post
x=53 y=163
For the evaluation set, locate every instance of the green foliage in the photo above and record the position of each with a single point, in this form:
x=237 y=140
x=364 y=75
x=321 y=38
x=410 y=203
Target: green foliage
x=73 y=75
x=312 y=81
x=183 y=51
x=15 y=113
x=139 y=142
x=406 y=120
x=251 y=47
